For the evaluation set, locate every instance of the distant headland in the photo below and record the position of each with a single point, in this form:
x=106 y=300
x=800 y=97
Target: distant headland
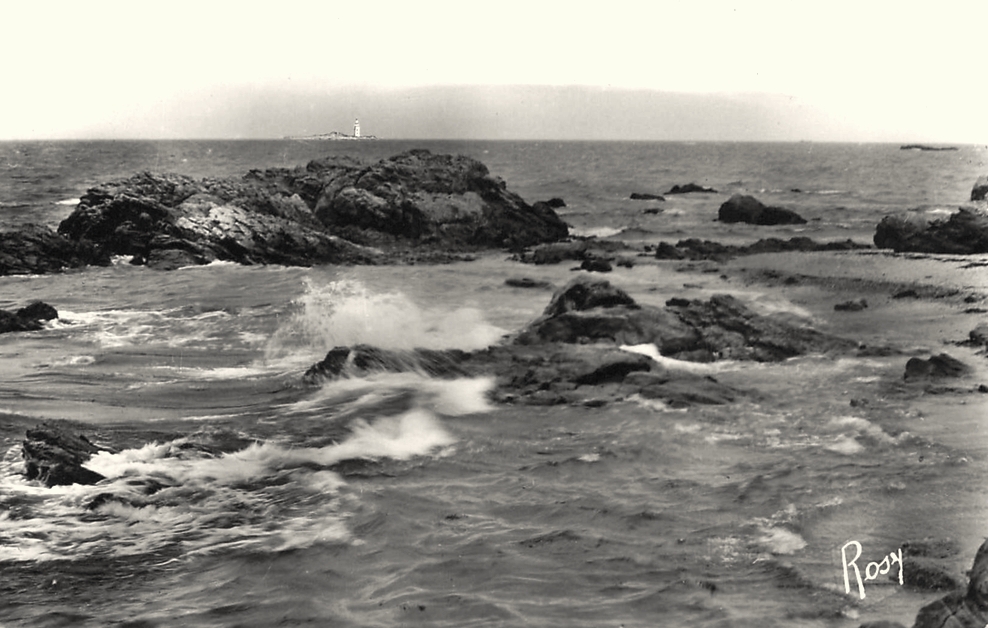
x=925 y=147
x=335 y=135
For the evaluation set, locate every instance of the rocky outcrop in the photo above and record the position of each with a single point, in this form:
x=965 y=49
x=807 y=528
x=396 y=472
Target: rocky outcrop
x=748 y=209
x=29 y=318
x=36 y=250
x=690 y=188
x=963 y=233
x=645 y=196
x=593 y=343
x=54 y=454
x=330 y=211
x=980 y=190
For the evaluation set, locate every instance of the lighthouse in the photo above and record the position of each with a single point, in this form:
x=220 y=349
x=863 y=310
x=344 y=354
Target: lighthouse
x=356 y=128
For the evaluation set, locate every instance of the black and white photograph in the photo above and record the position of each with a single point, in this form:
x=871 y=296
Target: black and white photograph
x=509 y=314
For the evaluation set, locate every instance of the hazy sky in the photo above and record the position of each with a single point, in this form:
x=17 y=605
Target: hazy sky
x=843 y=71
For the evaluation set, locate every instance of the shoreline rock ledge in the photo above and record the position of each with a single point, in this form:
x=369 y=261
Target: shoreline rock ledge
x=338 y=210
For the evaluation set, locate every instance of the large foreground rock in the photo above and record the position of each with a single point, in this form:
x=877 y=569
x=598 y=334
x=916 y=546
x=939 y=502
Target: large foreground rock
x=965 y=608
x=593 y=343
x=963 y=233
x=333 y=210
x=741 y=208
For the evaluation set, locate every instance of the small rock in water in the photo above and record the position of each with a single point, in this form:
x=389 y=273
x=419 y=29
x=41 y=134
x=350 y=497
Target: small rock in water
x=937 y=366
x=851 y=306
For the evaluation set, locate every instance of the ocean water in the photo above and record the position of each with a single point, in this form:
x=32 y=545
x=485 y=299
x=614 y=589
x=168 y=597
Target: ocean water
x=244 y=498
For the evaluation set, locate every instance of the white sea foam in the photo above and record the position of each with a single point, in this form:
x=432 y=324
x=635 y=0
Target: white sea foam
x=204 y=503
x=345 y=313
x=594 y=232
x=673 y=364
x=69 y=201
x=781 y=540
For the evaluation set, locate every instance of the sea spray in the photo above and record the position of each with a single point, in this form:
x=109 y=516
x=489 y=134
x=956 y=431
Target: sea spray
x=345 y=313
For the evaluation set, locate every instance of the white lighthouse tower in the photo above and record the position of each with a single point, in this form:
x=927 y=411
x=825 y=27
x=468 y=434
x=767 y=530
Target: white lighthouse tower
x=356 y=128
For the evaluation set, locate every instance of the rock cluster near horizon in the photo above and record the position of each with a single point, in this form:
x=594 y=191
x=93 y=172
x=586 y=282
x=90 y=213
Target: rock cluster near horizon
x=334 y=210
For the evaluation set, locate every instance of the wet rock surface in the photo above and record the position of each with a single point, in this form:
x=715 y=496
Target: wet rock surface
x=29 y=318
x=54 y=453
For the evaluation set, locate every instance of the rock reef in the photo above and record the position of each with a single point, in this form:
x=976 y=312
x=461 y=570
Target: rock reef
x=335 y=210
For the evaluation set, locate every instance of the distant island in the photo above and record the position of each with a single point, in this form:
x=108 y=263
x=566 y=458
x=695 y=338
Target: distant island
x=924 y=147
x=335 y=135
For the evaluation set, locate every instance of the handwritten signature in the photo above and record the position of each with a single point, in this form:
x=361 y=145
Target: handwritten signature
x=872 y=570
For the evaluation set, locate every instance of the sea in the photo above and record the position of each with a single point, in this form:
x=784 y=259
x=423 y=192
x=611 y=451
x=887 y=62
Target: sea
x=401 y=500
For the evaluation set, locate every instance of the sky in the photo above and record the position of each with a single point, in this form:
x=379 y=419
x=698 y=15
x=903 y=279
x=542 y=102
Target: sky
x=757 y=70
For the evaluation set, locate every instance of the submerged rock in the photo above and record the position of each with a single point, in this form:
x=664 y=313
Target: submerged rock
x=741 y=208
x=963 y=233
x=695 y=249
x=644 y=196
x=29 y=318
x=855 y=305
x=330 y=211
x=55 y=454
x=690 y=188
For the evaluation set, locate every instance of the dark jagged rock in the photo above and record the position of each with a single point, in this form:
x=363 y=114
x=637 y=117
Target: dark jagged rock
x=642 y=196
x=326 y=212
x=555 y=202
x=748 y=209
x=35 y=250
x=936 y=367
x=689 y=188
x=29 y=318
x=364 y=359
x=963 y=233
x=980 y=190
x=55 y=454
x=452 y=200
x=962 y=608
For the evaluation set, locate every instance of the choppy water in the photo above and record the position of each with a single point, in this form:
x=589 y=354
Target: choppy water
x=447 y=510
